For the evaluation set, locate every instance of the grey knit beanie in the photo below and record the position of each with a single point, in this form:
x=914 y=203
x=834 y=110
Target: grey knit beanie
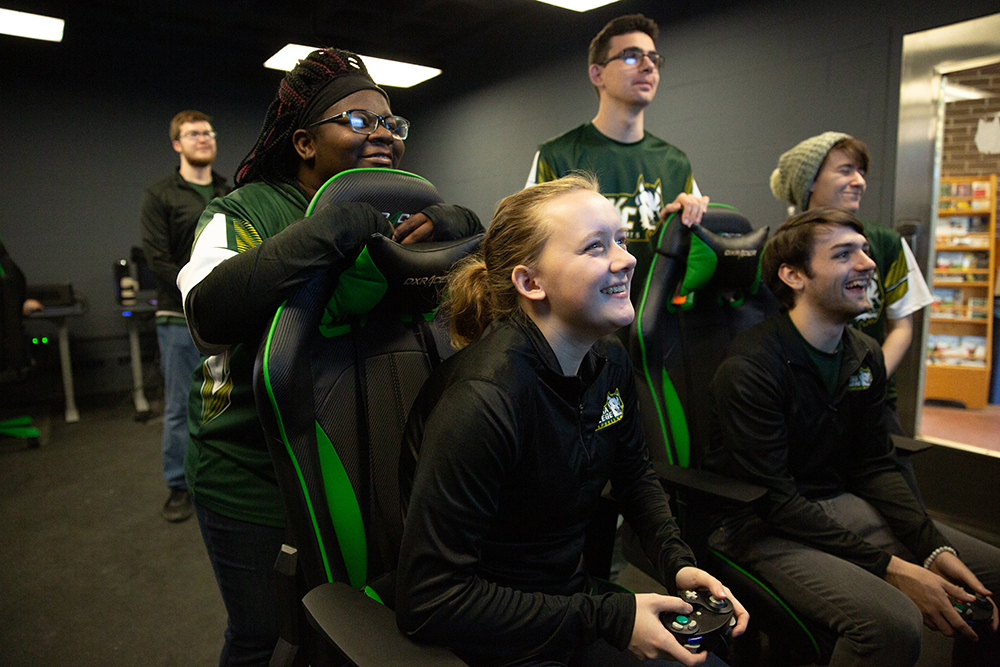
x=792 y=181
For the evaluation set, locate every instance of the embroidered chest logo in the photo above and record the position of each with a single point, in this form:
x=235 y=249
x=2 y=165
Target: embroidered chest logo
x=860 y=380
x=613 y=411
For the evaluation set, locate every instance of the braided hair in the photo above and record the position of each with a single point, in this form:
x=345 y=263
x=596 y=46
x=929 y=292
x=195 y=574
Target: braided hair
x=272 y=159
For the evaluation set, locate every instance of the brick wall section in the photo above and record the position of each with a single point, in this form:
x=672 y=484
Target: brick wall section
x=960 y=157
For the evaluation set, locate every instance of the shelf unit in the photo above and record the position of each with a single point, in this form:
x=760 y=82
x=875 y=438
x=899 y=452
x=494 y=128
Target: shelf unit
x=960 y=337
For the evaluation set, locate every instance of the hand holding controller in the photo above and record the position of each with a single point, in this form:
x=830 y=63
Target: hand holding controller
x=975 y=612
x=704 y=627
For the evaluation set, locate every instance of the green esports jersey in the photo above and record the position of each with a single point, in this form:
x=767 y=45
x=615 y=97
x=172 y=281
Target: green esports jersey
x=897 y=289
x=227 y=465
x=638 y=178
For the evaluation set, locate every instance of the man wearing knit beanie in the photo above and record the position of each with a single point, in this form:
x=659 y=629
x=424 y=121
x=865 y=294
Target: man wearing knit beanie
x=829 y=170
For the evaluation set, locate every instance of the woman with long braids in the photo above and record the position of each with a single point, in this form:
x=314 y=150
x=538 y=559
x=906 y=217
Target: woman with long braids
x=511 y=442
x=253 y=249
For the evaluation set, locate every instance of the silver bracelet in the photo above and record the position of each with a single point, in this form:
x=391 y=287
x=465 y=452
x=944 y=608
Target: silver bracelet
x=937 y=552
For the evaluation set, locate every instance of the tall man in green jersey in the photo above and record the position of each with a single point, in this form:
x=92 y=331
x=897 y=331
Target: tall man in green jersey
x=645 y=177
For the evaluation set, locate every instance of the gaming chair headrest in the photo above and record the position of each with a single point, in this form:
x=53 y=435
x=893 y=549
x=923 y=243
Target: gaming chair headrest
x=721 y=252
x=386 y=275
x=415 y=274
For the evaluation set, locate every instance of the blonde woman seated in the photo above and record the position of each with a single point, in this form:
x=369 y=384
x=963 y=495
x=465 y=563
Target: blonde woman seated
x=512 y=440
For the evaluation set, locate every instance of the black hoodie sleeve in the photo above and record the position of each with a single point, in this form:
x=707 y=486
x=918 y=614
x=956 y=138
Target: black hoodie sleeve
x=234 y=301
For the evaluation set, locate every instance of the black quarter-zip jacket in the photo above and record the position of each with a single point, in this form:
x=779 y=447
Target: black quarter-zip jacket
x=513 y=457
x=778 y=425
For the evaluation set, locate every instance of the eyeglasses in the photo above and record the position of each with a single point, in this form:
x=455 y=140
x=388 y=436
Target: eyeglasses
x=366 y=122
x=198 y=135
x=633 y=56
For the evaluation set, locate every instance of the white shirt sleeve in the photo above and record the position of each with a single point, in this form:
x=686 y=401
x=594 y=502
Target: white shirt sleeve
x=533 y=174
x=917 y=293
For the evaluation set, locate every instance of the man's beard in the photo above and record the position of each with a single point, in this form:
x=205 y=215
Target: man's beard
x=201 y=162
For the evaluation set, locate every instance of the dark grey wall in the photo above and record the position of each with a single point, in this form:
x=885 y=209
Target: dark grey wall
x=83 y=131
x=740 y=86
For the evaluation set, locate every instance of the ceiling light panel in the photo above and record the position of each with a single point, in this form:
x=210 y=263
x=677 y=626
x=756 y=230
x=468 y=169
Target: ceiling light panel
x=32 y=26
x=384 y=72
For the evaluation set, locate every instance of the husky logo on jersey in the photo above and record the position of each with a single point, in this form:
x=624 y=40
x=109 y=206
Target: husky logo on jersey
x=860 y=380
x=874 y=294
x=613 y=411
x=640 y=210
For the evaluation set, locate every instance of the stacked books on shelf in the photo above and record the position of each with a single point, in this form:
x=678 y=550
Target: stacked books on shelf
x=949 y=304
x=954 y=229
x=974 y=196
x=949 y=350
x=962 y=260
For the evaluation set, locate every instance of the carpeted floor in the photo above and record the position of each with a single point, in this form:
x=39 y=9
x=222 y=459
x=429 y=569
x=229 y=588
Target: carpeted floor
x=90 y=574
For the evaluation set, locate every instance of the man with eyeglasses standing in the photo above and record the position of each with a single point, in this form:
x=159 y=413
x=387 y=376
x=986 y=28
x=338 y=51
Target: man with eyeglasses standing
x=170 y=212
x=645 y=177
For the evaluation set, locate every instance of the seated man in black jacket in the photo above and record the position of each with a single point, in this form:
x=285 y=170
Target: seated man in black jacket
x=801 y=409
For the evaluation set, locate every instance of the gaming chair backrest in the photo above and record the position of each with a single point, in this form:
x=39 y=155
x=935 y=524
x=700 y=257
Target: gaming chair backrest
x=703 y=289
x=334 y=382
x=15 y=355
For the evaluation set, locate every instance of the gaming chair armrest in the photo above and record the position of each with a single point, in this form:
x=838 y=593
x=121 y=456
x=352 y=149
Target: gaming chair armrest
x=365 y=631
x=909 y=445
x=709 y=482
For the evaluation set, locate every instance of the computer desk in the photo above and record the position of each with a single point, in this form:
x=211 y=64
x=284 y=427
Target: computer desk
x=58 y=316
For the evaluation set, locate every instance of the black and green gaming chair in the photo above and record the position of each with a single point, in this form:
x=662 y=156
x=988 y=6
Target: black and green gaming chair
x=336 y=373
x=15 y=355
x=702 y=290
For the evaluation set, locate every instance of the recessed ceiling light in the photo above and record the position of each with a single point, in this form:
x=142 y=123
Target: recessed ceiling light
x=33 y=26
x=385 y=72
x=578 y=5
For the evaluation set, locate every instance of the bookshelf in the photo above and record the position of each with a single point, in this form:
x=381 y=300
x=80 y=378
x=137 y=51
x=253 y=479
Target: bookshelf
x=960 y=336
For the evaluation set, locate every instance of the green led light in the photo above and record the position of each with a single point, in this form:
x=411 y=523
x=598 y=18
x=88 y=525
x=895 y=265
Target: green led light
x=34 y=341
x=45 y=339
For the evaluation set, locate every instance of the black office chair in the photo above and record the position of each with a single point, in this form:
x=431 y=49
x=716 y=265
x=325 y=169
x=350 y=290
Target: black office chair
x=15 y=353
x=335 y=377
x=703 y=289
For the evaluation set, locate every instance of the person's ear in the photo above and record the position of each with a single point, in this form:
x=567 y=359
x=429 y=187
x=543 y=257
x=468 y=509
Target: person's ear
x=595 y=75
x=176 y=143
x=304 y=144
x=526 y=283
x=792 y=276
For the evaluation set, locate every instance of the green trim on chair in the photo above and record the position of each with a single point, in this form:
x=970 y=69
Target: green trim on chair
x=777 y=599
x=284 y=437
x=649 y=380
x=677 y=422
x=700 y=268
x=359 y=288
x=344 y=511
x=370 y=592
